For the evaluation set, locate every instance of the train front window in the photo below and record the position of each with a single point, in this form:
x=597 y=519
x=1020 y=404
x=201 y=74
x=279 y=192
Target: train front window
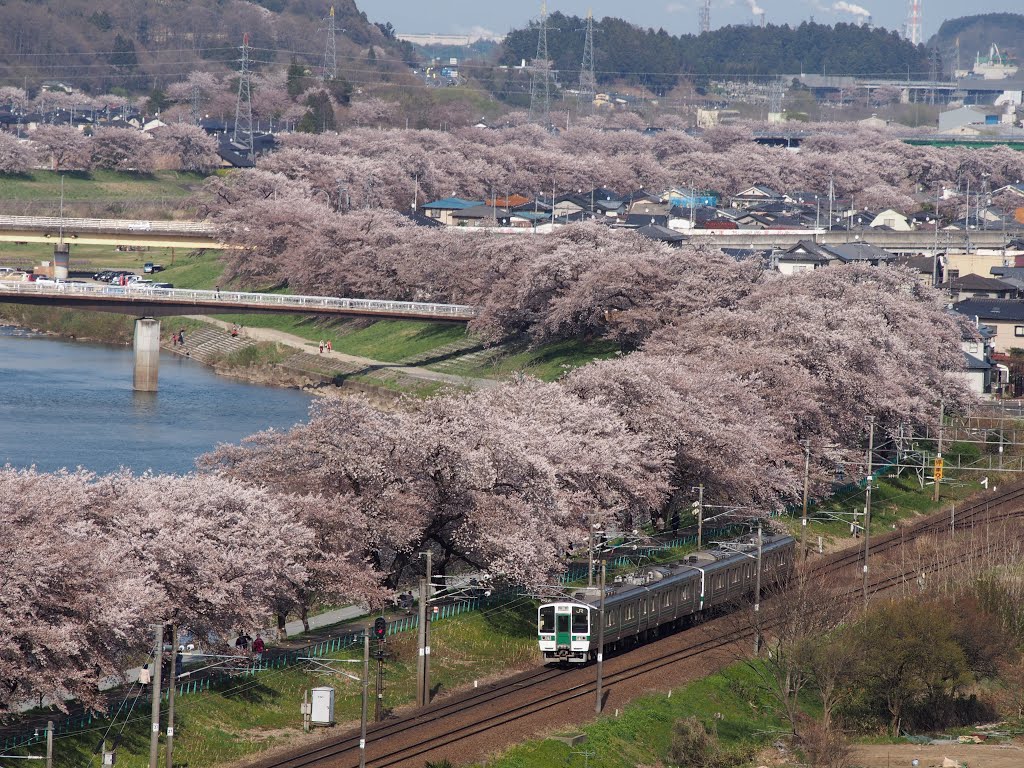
x=547 y=619
x=580 y=621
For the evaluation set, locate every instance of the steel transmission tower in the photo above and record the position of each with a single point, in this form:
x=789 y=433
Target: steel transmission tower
x=243 y=106
x=330 y=65
x=914 y=22
x=588 y=80
x=196 y=116
x=705 y=17
x=540 y=82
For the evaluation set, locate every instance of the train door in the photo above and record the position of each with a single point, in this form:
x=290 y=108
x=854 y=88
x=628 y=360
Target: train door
x=563 y=638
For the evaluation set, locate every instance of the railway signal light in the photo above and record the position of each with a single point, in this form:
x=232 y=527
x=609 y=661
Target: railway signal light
x=380 y=628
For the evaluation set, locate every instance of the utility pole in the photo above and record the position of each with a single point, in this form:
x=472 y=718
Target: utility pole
x=867 y=505
x=807 y=482
x=757 y=591
x=172 y=679
x=935 y=250
x=937 y=472
x=49 y=744
x=366 y=690
x=600 y=639
x=154 y=736
x=590 y=555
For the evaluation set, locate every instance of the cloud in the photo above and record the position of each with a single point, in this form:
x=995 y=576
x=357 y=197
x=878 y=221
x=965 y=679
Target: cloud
x=843 y=7
x=676 y=8
x=755 y=9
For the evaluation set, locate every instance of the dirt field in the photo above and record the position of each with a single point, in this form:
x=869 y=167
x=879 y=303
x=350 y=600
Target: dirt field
x=974 y=755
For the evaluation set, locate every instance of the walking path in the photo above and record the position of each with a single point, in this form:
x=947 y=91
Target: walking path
x=351 y=364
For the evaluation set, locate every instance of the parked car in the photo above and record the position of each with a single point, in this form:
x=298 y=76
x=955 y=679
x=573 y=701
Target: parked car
x=163 y=285
x=149 y=267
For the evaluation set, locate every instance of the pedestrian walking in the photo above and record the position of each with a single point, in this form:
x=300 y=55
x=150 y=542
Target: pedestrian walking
x=218 y=291
x=181 y=337
x=242 y=643
x=258 y=646
x=145 y=677
x=329 y=347
x=321 y=346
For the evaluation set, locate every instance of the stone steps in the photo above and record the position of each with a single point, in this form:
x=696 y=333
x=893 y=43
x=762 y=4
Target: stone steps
x=206 y=344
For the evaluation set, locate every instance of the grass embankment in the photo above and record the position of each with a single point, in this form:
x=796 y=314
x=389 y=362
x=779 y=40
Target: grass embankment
x=730 y=703
x=98 y=193
x=258 y=711
x=547 y=362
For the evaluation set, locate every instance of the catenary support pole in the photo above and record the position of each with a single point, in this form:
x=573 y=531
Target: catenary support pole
x=757 y=591
x=807 y=481
x=49 y=744
x=867 y=504
x=366 y=693
x=700 y=515
x=938 y=455
x=172 y=680
x=420 y=641
x=154 y=735
x=426 y=632
x=600 y=639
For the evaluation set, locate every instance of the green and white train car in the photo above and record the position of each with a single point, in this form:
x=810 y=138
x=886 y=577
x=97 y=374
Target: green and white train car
x=660 y=597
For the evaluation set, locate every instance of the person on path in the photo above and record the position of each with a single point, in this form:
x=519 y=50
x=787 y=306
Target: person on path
x=181 y=337
x=242 y=643
x=218 y=291
x=258 y=646
x=329 y=347
x=321 y=346
x=145 y=677
x=234 y=331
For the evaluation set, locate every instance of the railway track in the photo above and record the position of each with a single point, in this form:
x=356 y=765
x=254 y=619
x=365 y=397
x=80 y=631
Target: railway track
x=458 y=719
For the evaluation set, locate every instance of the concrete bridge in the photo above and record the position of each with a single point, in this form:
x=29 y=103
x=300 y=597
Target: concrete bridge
x=147 y=304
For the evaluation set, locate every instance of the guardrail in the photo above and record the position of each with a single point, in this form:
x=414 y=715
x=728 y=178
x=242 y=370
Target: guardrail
x=106 y=225
x=230 y=299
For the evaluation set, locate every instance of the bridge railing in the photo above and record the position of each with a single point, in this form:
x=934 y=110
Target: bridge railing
x=106 y=225
x=236 y=299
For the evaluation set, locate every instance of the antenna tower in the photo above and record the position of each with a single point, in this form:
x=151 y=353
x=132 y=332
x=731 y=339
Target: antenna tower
x=588 y=80
x=914 y=22
x=330 y=65
x=243 y=107
x=196 y=117
x=540 y=83
x=705 y=17
x=776 y=94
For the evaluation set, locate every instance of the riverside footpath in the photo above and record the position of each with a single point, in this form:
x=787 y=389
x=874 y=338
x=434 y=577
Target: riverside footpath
x=214 y=343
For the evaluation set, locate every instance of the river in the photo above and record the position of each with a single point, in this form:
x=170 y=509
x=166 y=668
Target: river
x=70 y=404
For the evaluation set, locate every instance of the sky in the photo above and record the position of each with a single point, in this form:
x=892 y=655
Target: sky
x=675 y=16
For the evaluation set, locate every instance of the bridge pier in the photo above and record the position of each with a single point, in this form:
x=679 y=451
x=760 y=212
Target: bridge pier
x=147 y=354
x=61 y=260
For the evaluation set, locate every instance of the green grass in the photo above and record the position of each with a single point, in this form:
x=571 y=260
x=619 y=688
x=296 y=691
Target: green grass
x=260 y=353
x=729 y=702
x=92 y=258
x=97 y=186
x=252 y=713
x=547 y=362
x=202 y=270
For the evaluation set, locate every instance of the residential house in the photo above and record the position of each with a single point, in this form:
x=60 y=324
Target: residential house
x=860 y=253
x=442 y=210
x=978 y=287
x=977 y=373
x=806 y=255
x=1004 y=316
x=754 y=196
x=688 y=198
x=891 y=219
x=925 y=267
x=662 y=234
x=972 y=118
x=481 y=216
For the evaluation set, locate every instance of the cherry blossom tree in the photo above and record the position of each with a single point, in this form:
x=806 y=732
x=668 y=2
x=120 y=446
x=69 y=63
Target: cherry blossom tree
x=16 y=156
x=122 y=149
x=66 y=148
x=191 y=148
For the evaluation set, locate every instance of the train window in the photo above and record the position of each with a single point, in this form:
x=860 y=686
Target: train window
x=610 y=619
x=547 y=619
x=580 y=621
x=666 y=600
x=736 y=576
x=684 y=593
x=643 y=607
x=720 y=581
x=630 y=612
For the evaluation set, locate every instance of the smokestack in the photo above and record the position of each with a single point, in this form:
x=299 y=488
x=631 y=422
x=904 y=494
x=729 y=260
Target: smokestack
x=763 y=17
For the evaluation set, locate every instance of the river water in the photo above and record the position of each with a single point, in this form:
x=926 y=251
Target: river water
x=70 y=404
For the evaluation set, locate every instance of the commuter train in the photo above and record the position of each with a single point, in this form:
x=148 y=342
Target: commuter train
x=660 y=597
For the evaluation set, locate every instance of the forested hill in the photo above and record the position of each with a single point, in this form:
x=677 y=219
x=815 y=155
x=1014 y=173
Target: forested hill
x=100 y=45
x=976 y=35
x=656 y=58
